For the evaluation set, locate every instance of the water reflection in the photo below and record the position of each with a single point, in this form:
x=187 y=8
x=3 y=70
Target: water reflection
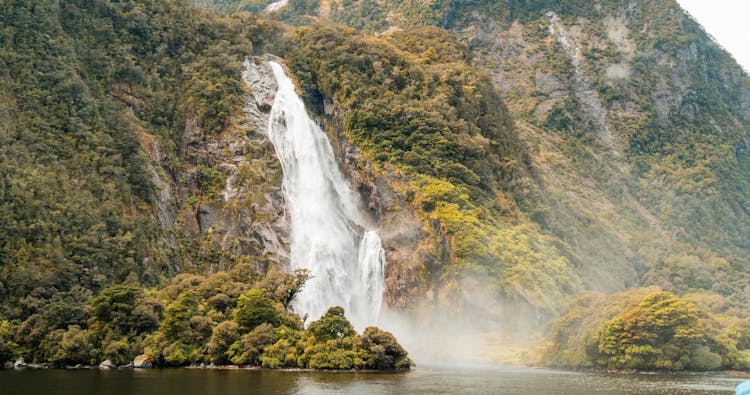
x=423 y=380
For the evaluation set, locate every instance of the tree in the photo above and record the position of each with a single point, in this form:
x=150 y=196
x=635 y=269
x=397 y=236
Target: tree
x=333 y=325
x=283 y=287
x=124 y=308
x=253 y=309
x=224 y=335
x=248 y=349
x=72 y=346
x=177 y=316
x=662 y=332
x=382 y=351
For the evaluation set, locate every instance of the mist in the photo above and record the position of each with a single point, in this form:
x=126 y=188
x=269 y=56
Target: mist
x=478 y=330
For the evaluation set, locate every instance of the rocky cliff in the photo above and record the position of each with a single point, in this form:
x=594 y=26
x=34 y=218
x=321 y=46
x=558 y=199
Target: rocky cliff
x=634 y=120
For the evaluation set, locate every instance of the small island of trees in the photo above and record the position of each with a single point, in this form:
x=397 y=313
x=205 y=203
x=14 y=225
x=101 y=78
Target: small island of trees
x=228 y=318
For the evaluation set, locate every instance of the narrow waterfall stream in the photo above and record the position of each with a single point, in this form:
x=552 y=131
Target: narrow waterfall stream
x=329 y=236
x=275 y=6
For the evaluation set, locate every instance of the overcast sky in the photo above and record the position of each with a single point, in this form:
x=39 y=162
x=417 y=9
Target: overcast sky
x=727 y=21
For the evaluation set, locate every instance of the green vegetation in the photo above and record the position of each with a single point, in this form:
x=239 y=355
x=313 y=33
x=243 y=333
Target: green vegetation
x=84 y=86
x=219 y=319
x=649 y=329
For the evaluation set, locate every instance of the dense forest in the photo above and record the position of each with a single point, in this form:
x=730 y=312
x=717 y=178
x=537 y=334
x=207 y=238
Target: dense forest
x=579 y=170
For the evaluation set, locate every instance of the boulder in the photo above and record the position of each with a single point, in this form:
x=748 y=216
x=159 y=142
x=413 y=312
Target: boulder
x=143 y=361
x=106 y=364
x=20 y=363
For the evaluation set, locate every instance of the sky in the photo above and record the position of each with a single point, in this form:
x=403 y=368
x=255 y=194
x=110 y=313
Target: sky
x=727 y=21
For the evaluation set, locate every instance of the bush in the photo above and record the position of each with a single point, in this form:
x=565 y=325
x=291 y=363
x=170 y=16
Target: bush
x=123 y=309
x=177 y=316
x=7 y=346
x=285 y=351
x=331 y=355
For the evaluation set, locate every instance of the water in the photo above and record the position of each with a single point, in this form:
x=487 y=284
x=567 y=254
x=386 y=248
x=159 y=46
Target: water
x=423 y=380
x=329 y=236
x=275 y=6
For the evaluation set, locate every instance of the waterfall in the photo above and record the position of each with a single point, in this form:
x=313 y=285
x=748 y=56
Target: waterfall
x=275 y=6
x=329 y=236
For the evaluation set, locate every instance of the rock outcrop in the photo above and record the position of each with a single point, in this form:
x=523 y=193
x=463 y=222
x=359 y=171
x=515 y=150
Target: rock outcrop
x=143 y=361
x=106 y=365
x=225 y=198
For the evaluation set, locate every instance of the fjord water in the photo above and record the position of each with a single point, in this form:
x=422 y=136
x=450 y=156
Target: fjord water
x=423 y=380
x=329 y=236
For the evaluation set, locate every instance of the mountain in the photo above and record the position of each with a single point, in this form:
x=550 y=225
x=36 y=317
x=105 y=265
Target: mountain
x=532 y=166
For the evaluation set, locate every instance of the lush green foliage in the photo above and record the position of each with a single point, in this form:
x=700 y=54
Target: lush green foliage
x=647 y=329
x=221 y=319
x=253 y=309
x=84 y=86
x=425 y=109
x=661 y=332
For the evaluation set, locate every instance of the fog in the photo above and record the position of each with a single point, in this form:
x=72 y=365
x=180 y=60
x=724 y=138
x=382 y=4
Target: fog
x=477 y=330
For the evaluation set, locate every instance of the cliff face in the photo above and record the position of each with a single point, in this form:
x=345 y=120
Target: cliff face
x=635 y=123
x=241 y=215
x=649 y=117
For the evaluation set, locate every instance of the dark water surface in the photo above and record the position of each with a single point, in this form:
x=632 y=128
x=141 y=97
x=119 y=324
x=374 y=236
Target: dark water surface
x=422 y=380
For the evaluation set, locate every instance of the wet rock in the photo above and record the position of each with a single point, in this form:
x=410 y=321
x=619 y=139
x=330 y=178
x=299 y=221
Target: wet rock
x=20 y=363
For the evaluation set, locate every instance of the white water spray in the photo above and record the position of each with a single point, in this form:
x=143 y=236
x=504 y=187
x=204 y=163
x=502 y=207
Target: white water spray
x=329 y=236
x=275 y=6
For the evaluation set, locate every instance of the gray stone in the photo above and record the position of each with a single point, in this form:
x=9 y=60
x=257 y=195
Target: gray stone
x=106 y=364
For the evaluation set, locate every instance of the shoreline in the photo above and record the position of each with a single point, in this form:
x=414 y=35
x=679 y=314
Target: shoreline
x=645 y=372
x=51 y=366
x=47 y=366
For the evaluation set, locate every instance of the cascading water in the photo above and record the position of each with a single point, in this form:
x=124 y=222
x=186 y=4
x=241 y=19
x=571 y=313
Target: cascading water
x=329 y=237
x=275 y=6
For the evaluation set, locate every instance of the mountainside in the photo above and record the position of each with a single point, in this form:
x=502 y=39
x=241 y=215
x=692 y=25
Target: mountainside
x=523 y=160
